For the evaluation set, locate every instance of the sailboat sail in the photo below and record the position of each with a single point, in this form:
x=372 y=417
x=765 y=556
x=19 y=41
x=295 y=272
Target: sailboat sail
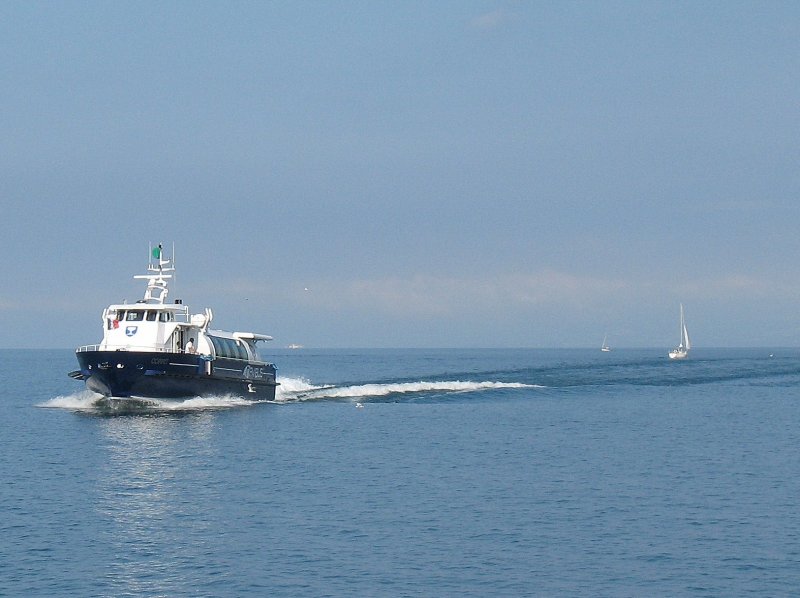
x=682 y=349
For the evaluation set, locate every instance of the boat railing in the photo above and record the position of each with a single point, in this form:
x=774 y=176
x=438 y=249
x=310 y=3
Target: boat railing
x=85 y=348
x=143 y=348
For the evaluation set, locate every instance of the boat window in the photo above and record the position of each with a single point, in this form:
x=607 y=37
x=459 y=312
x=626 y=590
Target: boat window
x=217 y=346
x=165 y=316
x=121 y=314
x=134 y=316
x=256 y=353
x=151 y=316
x=229 y=348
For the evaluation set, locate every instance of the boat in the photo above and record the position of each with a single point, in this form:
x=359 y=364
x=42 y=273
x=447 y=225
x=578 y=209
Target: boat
x=682 y=350
x=605 y=348
x=155 y=349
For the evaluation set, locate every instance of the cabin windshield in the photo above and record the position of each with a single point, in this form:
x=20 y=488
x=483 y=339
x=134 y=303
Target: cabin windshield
x=139 y=315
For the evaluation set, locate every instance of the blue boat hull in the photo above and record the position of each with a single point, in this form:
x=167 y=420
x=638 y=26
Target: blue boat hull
x=173 y=375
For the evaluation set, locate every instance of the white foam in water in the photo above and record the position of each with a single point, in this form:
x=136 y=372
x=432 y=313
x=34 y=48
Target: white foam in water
x=290 y=390
x=84 y=399
x=87 y=400
x=301 y=390
x=214 y=402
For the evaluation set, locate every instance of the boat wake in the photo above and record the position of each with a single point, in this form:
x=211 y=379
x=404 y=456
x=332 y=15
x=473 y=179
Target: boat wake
x=291 y=390
x=295 y=390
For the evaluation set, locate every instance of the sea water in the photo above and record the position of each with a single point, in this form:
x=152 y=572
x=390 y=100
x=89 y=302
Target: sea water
x=411 y=473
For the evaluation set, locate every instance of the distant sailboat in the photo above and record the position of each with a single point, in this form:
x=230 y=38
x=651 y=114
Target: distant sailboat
x=605 y=348
x=682 y=350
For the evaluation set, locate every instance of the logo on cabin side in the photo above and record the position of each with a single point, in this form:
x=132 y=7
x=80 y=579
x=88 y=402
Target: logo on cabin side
x=254 y=373
x=130 y=330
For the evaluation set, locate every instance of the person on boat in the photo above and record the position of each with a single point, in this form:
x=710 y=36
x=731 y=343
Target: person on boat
x=190 y=346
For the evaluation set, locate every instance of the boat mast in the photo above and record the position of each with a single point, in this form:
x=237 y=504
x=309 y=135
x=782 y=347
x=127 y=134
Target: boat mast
x=157 y=290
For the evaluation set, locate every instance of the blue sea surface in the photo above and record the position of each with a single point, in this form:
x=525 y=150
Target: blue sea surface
x=412 y=473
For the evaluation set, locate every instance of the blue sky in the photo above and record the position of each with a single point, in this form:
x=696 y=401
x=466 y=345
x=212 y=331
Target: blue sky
x=406 y=174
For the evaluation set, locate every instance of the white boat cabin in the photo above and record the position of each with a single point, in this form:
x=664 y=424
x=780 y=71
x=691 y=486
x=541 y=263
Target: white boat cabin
x=152 y=325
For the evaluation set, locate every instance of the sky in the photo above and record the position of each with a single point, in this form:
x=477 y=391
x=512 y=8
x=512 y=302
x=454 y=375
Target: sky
x=406 y=174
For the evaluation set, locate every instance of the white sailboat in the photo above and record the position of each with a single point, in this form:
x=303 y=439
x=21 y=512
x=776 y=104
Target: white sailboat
x=605 y=348
x=682 y=350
